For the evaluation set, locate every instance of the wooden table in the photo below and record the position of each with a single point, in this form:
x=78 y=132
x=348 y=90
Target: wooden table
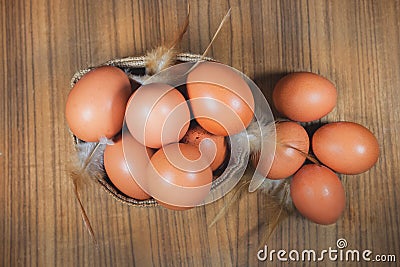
x=355 y=44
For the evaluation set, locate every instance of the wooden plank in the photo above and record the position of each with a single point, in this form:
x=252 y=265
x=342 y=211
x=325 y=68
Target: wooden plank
x=355 y=44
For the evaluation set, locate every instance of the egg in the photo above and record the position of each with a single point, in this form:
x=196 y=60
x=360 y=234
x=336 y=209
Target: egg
x=221 y=100
x=157 y=114
x=213 y=146
x=292 y=145
x=119 y=171
x=318 y=194
x=346 y=147
x=179 y=176
x=304 y=96
x=96 y=105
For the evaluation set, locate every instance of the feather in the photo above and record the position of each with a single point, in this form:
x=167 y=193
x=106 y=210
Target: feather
x=75 y=179
x=164 y=57
x=90 y=158
x=279 y=190
x=306 y=155
x=212 y=40
x=260 y=135
x=244 y=145
x=279 y=204
x=159 y=59
x=139 y=79
x=236 y=194
x=227 y=15
x=87 y=166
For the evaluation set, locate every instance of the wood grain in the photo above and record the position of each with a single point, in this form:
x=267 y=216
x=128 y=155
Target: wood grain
x=355 y=44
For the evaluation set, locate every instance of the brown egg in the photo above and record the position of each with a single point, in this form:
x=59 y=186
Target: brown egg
x=118 y=170
x=318 y=194
x=179 y=176
x=304 y=96
x=346 y=147
x=213 y=146
x=157 y=114
x=292 y=145
x=96 y=105
x=221 y=100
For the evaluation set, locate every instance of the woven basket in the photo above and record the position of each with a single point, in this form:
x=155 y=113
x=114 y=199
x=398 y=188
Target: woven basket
x=135 y=66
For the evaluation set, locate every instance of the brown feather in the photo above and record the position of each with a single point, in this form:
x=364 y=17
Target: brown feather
x=182 y=31
x=212 y=40
x=87 y=166
x=236 y=194
x=279 y=208
x=76 y=178
x=164 y=57
x=159 y=59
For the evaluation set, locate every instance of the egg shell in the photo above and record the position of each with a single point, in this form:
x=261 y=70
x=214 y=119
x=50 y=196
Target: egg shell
x=318 y=194
x=117 y=169
x=221 y=100
x=96 y=105
x=157 y=114
x=214 y=146
x=179 y=176
x=346 y=147
x=292 y=145
x=304 y=96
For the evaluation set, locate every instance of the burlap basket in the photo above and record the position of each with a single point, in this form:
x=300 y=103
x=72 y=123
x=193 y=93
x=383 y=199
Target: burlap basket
x=134 y=66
